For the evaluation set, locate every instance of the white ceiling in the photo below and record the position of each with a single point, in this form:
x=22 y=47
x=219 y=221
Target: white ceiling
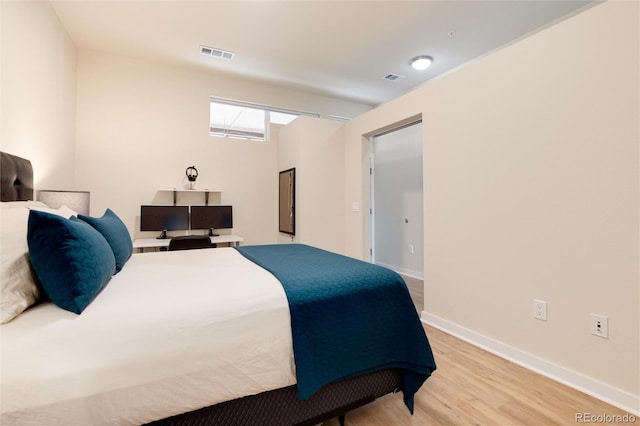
x=338 y=48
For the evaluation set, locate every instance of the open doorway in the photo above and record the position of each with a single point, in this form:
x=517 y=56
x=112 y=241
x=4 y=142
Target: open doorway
x=397 y=200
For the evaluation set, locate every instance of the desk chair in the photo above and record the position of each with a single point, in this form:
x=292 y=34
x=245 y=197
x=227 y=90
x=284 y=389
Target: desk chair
x=189 y=242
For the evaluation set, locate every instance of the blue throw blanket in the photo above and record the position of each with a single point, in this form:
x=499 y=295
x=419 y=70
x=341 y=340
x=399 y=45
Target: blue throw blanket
x=348 y=318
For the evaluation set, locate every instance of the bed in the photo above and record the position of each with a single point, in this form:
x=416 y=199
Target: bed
x=234 y=336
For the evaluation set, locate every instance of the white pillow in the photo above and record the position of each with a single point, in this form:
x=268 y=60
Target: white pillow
x=18 y=289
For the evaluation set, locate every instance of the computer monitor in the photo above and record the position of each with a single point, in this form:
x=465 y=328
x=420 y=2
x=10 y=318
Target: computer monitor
x=211 y=217
x=164 y=218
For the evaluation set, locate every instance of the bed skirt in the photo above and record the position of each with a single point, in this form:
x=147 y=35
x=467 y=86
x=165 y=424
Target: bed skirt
x=282 y=407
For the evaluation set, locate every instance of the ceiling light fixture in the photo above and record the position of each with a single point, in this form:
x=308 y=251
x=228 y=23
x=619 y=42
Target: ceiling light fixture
x=421 y=63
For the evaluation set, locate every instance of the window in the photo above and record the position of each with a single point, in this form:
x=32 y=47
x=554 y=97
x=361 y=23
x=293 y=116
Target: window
x=243 y=120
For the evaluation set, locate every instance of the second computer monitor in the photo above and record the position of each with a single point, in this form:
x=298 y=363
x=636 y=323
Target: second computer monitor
x=211 y=217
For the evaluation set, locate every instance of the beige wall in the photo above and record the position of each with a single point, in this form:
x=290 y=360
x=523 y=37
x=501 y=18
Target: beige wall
x=38 y=91
x=531 y=191
x=140 y=124
x=315 y=148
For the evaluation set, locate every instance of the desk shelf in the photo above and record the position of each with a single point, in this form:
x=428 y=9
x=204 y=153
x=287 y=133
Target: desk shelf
x=205 y=191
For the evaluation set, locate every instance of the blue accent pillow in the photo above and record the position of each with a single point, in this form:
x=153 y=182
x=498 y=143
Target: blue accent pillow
x=72 y=261
x=116 y=234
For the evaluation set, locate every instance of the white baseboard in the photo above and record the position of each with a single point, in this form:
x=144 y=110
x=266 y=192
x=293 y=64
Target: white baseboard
x=595 y=388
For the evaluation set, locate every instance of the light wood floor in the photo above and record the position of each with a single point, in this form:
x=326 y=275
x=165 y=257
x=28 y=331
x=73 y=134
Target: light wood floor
x=473 y=387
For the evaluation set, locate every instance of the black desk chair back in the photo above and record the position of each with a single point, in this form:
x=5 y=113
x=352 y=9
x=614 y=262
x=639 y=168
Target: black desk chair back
x=190 y=242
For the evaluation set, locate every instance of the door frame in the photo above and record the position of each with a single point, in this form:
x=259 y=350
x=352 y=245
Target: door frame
x=372 y=223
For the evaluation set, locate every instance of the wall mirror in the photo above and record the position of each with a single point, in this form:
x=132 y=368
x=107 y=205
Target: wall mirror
x=287 y=201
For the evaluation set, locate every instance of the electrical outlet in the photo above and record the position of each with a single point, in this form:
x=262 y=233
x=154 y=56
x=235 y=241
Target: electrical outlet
x=600 y=326
x=540 y=309
x=410 y=248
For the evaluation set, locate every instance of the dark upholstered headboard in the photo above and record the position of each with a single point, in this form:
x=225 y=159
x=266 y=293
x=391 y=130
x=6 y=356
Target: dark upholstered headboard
x=16 y=178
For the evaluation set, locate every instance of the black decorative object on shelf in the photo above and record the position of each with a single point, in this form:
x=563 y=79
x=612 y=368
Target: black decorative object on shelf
x=192 y=175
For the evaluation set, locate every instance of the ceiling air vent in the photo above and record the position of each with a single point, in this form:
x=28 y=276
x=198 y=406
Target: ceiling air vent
x=393 y=77
x=217 y=53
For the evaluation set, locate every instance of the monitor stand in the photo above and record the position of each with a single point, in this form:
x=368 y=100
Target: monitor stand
x=163 y=235
x=211 y=234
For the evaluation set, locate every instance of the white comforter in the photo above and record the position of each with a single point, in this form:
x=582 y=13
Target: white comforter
x=172 y=332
